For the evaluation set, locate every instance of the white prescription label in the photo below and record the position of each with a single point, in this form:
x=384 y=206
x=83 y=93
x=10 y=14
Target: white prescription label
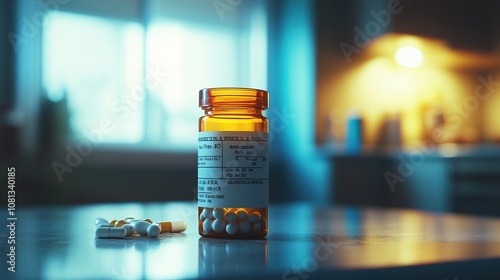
x=233 y=169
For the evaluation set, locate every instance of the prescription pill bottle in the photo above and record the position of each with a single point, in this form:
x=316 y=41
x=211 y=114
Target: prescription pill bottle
x=233 y=166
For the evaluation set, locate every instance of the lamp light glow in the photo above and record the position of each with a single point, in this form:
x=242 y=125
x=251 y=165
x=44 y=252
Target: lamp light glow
x=409 y=56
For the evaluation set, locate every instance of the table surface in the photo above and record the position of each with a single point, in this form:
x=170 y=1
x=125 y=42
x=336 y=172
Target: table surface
x=305 y=242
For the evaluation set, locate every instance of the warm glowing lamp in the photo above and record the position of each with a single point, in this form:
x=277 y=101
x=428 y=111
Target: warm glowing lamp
x=409 y=56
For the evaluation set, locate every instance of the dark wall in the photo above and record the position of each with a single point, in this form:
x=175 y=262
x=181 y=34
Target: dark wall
x=464 y=24
x=7 y=56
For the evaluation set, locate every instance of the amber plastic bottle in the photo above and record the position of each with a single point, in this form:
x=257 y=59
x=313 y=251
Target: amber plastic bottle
x=233 y=180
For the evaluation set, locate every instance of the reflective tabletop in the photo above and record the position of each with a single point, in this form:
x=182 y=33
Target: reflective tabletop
x=304 y=242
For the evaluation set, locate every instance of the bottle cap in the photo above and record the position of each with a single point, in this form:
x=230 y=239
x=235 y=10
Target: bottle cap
x=234 y=97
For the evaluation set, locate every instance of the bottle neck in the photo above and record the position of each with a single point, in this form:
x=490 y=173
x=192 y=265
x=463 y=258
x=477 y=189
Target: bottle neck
x=245 y=111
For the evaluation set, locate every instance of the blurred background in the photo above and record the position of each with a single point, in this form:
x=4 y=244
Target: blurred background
x=373 y=102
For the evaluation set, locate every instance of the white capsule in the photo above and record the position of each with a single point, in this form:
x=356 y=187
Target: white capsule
x=242 y=214
x=202 y=218
x=256 y=226
x=153 y=230
x=141 y=227
x=219 y=225
x=254 y=217
x=101 y=221
x=232 y=228
x=179 y=226
x=230 y=217
x=207 y=226
x=218 y=213
x=110 y=232
x=129 y=229
x=207 y=213
x=245 y=227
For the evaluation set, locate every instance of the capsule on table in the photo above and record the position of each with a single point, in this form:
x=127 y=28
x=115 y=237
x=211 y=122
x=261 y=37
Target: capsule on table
x=129 y=229
x=141 y=227
x=101 y=221
x=110 y=232
x=153 y=230
x=119 y=223
x=177 y=226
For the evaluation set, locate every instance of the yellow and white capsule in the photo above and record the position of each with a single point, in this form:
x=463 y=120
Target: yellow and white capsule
x=177 y=226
